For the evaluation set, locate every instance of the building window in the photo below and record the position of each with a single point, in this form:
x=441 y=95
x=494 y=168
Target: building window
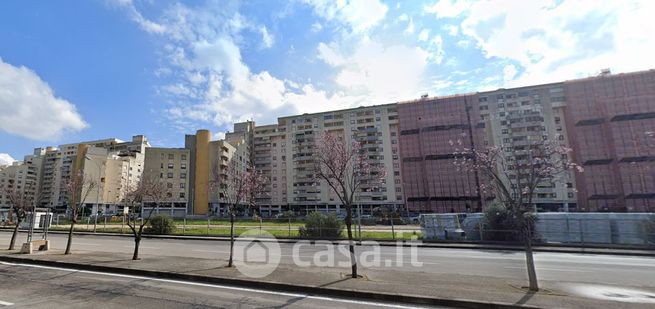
x=169 y=175
x=182 y=185
x=170 y=165
x=169 y=185
x=182 y=175
x=171 y=156
x=162 y=165
x=183 y=166
x=163 y=156
x=181 y=194
x=183 y=157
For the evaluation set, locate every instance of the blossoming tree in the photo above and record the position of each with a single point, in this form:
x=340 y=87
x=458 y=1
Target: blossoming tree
x=237 y=186
x=513 y=176
x=347 y=170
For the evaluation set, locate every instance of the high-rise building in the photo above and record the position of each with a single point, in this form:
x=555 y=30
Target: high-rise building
x=172 y=166
x=292 y=143
x=428 y=127
x=519 y=119
x=608 y=117
x=103 y=161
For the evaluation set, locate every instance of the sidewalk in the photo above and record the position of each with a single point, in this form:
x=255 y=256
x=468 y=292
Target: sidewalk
x=377 y=283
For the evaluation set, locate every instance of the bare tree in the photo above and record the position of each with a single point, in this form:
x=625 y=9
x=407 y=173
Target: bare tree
x=77 y=190
x=237 y=187
x=22 y=202
x=347 y=170
x=150 y=191
x=513 y=179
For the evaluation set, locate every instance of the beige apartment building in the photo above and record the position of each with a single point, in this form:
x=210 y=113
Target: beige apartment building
x=520 y=117
x=284 y=152
x=113 y=164
x=24 y=176
x=172 y=166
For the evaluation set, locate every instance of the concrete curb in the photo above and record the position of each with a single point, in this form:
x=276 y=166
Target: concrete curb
x=271 y=286
x=555 y=248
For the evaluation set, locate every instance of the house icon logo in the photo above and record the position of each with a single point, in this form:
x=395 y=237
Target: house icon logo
x=256 y=253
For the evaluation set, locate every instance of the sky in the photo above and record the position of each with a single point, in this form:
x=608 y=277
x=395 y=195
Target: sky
x=83 y=70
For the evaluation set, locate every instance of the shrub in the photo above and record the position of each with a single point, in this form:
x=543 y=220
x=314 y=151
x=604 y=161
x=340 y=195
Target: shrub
x=319 y=225
x=161 y=225
x=500 y=224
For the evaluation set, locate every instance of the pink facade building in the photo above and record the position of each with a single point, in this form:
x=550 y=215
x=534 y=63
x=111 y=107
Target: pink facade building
x=608 y=117
x=604 y=119
x=431 y=182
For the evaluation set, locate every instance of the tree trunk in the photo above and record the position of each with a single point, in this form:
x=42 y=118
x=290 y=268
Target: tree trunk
x=529 y=259
x=137 y=242
x=351 y=245
x=70 y=238
x=229 y=263
x=14 y=235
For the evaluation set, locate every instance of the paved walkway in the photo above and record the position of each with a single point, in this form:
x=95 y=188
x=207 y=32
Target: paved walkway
x=481 y=289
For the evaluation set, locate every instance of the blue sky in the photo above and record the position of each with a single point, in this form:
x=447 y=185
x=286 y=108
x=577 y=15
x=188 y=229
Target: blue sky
x=83 y=70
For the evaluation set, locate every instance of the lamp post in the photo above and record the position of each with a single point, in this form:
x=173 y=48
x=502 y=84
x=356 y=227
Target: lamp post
x=95 y=217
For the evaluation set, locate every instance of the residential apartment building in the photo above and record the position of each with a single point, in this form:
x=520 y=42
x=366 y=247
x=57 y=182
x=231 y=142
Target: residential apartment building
x=428 y=127
x=209 y=161
x=172 y=166
x=608 y=117
x=604 y=119
x=376 y=127
x=519 y=119
x=113 y=164
x=22 y=176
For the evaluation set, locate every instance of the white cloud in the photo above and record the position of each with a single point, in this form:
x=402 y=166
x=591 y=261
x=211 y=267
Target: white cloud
x=424 y=35
x=452 y=29
x=437 y=52
x=330 y=54
x=6 y=159
x=29 y=107
x=410 y=27
x=403 y=17
x=447 y=8
x=509 y=72
x=137 y=17
x=554 y=41
x=267 y=39
x=316 y=27
x=359 y=16
x=378 y=72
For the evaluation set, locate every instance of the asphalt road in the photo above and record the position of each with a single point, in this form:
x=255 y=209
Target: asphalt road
x=562 y=267
x=24 y=286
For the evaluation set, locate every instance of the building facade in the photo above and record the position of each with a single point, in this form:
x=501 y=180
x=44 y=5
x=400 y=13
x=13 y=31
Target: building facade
x=172 y=166
x=608 y=117
x=604 y=119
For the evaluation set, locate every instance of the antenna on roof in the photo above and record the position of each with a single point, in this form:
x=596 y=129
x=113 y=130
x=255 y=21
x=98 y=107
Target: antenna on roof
x=424 y=96
x=605 y=72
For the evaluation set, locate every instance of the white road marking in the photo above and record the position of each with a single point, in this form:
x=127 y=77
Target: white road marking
x=85 y=244
x=296 y=295
x=4 y=303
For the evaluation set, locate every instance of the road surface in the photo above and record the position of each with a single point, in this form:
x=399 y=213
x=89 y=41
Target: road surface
x=25 y=286
x=563 y=267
